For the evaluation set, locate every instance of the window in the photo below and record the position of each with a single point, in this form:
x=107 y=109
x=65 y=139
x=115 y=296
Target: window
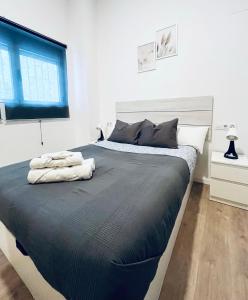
x=40 y=79
x=33 y=81
x=6 y=84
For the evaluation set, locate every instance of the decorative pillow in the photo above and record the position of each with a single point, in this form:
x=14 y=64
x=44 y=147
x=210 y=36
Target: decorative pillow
x=194 y=136
x=127 y=133
x=163 y=135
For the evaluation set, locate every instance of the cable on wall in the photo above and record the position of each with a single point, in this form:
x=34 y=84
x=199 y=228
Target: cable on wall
x=41 y=134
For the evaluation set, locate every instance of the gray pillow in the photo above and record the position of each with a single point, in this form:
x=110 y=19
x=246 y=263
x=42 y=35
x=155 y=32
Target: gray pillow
x=163 y=135
x=127 y=133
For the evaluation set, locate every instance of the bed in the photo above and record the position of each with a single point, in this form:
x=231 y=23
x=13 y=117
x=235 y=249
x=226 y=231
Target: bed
x=112 y=236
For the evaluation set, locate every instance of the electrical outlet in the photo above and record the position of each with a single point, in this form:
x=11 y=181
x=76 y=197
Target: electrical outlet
x=221 y=127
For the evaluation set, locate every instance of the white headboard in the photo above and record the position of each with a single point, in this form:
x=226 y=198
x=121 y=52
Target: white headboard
x=195 y=111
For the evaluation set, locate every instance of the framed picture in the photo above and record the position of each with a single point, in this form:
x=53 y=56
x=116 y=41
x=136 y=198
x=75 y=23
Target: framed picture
x=146 y=57
x=166 y=42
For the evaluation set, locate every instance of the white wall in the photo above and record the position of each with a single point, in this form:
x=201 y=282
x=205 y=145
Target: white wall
x=82 y=67
x=102 y=43
x=212 y=60
x=71 y=22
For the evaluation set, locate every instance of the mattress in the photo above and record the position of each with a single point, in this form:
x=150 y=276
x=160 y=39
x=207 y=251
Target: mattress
x=102 y=238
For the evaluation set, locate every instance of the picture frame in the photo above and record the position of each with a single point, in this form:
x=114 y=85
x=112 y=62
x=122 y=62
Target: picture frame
x=167 y=42
x=146 y=57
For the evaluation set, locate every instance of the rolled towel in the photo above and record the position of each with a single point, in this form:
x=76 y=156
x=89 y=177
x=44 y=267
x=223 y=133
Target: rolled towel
x=60 y=174
x=47 y=162
x=91 y=163
x=57 y=155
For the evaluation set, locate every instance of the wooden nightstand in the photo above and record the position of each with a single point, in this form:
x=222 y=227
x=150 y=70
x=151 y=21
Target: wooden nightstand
x=229 y=180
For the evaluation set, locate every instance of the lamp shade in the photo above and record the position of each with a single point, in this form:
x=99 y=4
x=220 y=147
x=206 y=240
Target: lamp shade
x=232 y=133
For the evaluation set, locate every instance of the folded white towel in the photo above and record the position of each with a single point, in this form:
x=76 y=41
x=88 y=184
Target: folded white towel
x=57 y=155
x=91 y=163
x=60 y=174
x=47 y=162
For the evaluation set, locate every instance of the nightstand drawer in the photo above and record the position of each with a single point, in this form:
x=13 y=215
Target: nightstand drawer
x=231 y=173
x=229 y=191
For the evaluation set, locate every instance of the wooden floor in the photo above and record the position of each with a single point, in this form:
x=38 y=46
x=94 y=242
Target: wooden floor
x=210 y=258
x=209 y=261
x=11 y=286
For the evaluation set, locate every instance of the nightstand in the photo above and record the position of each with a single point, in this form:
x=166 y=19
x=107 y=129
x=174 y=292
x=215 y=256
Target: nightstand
x=229 y=180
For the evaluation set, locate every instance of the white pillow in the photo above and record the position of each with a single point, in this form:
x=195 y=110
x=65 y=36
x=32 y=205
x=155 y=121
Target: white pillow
x=194 y=136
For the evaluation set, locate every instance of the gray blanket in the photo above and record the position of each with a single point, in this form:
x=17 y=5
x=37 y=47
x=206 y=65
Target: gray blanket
x=102 y=238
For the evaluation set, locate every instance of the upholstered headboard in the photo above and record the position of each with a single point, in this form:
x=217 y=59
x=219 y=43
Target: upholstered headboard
x=191 y=111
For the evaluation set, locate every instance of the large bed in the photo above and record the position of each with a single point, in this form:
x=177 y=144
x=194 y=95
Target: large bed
x=110 y=237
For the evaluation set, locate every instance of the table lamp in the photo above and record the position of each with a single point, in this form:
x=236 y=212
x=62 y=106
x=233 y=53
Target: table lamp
x=231 y=136
x=101 y=136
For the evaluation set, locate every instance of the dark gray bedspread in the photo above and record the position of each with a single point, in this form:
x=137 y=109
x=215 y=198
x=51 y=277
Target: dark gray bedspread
x=102 y=238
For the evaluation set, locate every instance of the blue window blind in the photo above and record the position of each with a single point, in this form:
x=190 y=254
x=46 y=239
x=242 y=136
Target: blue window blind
x=6 y=84
x=33 y=78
